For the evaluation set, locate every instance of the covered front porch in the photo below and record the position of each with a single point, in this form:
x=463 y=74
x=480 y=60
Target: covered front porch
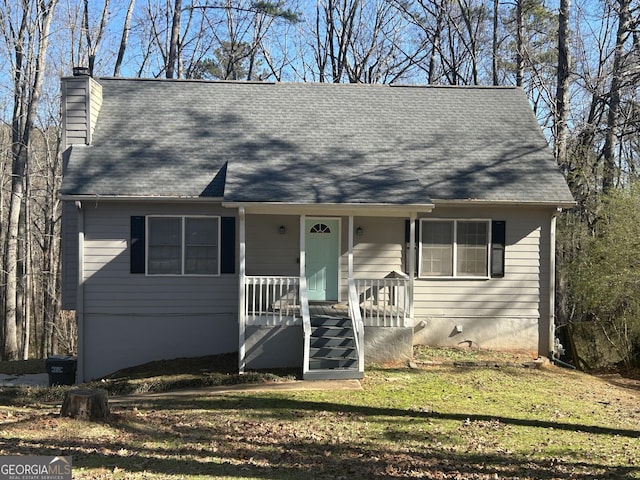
x=368 y=316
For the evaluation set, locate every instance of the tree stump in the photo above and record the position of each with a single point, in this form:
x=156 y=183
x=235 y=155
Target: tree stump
x=85 y=404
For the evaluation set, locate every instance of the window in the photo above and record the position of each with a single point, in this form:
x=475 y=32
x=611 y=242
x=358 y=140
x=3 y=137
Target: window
x=472 y=239
x=165 y=246
x=320 y=228
x=454 y=248
x=182 y=245
x=437 y=249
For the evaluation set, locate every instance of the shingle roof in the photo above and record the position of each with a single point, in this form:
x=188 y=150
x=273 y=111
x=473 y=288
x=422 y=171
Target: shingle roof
x=315 y=143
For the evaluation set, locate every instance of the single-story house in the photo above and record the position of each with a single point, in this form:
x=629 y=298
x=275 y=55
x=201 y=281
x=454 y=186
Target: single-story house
x=318 y=226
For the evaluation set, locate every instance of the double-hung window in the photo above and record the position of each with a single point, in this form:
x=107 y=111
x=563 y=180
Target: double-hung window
x=455 y=248
x=183 y=245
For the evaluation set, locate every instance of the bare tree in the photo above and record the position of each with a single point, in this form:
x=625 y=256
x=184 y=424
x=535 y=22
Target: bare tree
x=455 y=36
x=26 y=31
x=359 y=42
x=126 y=28
x=94 y=42
x=238 y=31
x=617 y=84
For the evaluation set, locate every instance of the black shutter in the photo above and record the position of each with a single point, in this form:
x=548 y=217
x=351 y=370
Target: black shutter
x=498 y=241
x=228 y=245
x=137 y=246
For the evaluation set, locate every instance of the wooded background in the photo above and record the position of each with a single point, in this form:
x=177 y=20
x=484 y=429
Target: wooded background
x=578 y=63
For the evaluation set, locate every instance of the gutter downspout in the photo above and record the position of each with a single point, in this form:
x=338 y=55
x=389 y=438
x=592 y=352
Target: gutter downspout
x=80 y=295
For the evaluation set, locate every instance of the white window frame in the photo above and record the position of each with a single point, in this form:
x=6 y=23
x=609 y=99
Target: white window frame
x=183 y=246
x=454 y=275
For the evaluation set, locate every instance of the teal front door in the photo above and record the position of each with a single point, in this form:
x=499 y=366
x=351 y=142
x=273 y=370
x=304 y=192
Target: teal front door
x=322 y=252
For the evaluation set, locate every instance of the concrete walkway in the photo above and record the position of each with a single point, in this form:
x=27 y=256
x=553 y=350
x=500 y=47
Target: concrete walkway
x=42 y=380
x=249 y=387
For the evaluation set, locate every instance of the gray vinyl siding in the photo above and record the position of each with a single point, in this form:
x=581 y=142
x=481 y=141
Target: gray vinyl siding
x=376 y=253
x=134 y=318
x=107 y=277
x=268 y=252
x=81 y=100
x=518 y=295
x=69 y=246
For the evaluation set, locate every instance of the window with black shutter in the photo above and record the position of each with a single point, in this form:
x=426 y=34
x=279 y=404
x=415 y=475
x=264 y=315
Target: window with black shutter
x=182 y=245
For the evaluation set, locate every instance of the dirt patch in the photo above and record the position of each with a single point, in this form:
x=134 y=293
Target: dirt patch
x=445 y=356
x=626 y=379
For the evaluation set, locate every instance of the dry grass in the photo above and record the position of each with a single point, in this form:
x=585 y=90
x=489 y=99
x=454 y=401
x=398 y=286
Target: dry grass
x=23 y=367
x=432 y=422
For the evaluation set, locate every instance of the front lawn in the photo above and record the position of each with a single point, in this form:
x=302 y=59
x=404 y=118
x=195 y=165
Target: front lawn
x=435 y=422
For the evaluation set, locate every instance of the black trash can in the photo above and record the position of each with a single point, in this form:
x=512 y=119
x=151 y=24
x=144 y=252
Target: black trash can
x=61 y=370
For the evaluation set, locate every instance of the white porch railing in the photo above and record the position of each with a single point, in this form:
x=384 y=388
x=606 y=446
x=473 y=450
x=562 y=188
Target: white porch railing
x=272 y=301
x=356 y=321
x=306 y=325
x=384 y=301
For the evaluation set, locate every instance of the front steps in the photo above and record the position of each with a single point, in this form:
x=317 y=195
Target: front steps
x=332 y=352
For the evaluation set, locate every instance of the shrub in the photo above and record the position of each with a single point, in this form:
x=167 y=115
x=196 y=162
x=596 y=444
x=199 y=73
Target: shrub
x=604 y=273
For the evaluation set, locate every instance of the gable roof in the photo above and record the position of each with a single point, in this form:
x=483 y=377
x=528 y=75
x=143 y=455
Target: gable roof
x=315 y=143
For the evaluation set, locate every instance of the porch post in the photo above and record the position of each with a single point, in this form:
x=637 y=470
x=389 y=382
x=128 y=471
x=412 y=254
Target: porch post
x=412 y=261
x=552 y=284
x=242 y=301
x=303 y=228
x=350 y=247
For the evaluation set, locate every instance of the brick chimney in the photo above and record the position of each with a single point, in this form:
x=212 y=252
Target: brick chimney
x=81 y=101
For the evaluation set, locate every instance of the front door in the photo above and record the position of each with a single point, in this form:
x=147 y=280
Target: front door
x=322 y=252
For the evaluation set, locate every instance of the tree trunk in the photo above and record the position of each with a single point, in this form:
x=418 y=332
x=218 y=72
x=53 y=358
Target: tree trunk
x=125 y=38
x=92 y=44
x=435 y=45
x=29 y=285
x=11 y=255
x=609 y=150
x=494 y=45
x=175 y=38
x=519 y=44
x=562 y=93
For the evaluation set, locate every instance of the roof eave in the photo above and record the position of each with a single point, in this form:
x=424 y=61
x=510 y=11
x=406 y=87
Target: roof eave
x=139 y=198
x=563 y=204
x=360 y=209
